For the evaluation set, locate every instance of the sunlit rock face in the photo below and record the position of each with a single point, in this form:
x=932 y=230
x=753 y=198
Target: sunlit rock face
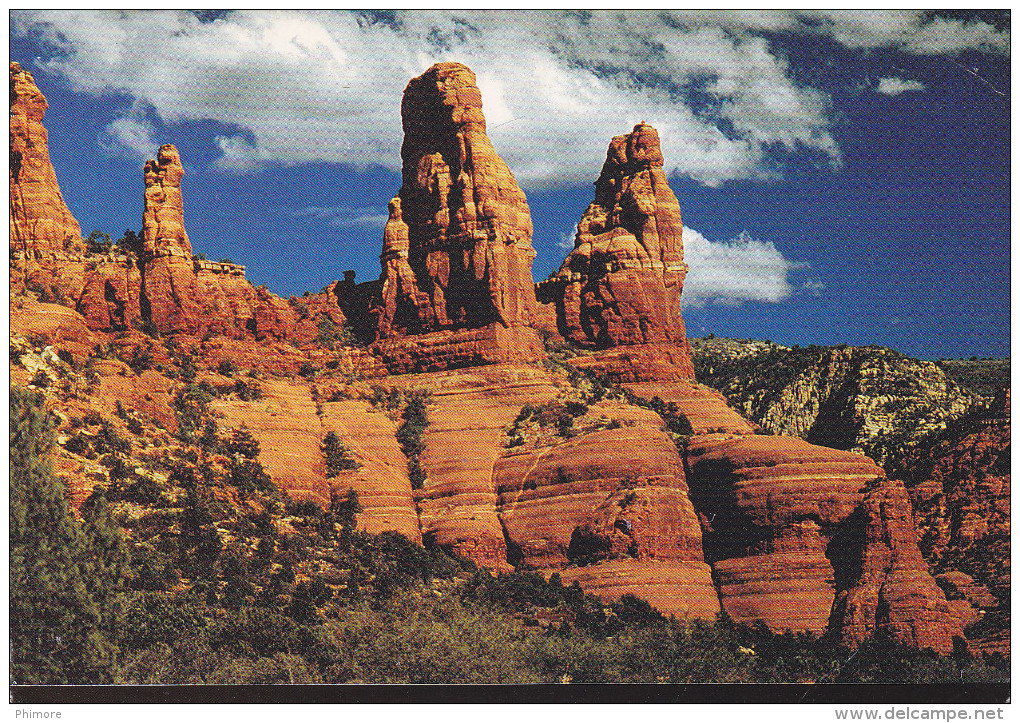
x=621 y=284
x=457 y=247
x=46 y=243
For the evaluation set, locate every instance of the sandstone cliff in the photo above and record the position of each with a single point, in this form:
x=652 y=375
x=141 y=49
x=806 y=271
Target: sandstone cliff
x=46 y=243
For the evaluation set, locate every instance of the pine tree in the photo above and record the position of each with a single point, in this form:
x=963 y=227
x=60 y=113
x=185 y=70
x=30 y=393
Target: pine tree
x=106 y=567
x=54 y=621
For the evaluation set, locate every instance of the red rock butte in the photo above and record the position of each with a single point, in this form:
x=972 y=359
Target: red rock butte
x=715 y=517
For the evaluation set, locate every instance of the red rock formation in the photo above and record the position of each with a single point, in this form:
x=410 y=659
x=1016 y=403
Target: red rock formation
x=169 y=285
x=468 y=412
x=59 y=326
x=610 y=509
x=381 y=482
x=149 y=394
x=226 y=298
x=621 y=284
x=274 y=317
x=46 y=244
x=457 y=249
x=895 y=593
x=783 y=523
x=289 y=431
x=770 y=506
x=403 y=305
x=705 y=408
x=111 y=297
x=960 y=490
x=469 y=227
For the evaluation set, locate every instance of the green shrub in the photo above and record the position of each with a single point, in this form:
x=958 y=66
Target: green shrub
x=248 y=391
x=64 y=576
x=338 y=458
x=243 y=443
x=409 y=436
x=191 y=408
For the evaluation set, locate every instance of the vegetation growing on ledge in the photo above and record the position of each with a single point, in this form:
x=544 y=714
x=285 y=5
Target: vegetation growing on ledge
x=337 y=456
x=409 y=433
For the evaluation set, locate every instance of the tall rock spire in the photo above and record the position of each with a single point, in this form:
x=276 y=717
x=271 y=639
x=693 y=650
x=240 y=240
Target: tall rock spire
x=46 y=243
x=467 y=221
x=163 y=217
x=622 y=282
x=168 y=277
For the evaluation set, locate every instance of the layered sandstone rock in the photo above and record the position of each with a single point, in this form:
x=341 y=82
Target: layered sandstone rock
x=46 y=243
x=468 y=412
x=111 y=298
x=149 y=394
x=895 y=593
x=609 y=509
x=469 y=227
x=274 y=318
x=403 y=305
x=785 y=531
x=169 y=285
x=770 y=507
x=381 y=481
x=53 y=324
x=286 y=424
x=226 y=298
x=621 y=284
x=705 y=408
x=960 y=491
x=960 y=487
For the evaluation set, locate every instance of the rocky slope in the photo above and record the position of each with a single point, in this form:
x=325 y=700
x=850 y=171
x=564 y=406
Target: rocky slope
x=866 y=399
x=959 y=483
x=452 y=424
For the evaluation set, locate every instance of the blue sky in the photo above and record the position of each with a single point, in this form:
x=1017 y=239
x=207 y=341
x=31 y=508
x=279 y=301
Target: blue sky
x=844 y=177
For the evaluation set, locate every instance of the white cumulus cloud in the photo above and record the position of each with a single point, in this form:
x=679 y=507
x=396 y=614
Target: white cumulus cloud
x=343 y=217
x=734 y=271
x=129 y=137
x=895 y=86
x=238 y=155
